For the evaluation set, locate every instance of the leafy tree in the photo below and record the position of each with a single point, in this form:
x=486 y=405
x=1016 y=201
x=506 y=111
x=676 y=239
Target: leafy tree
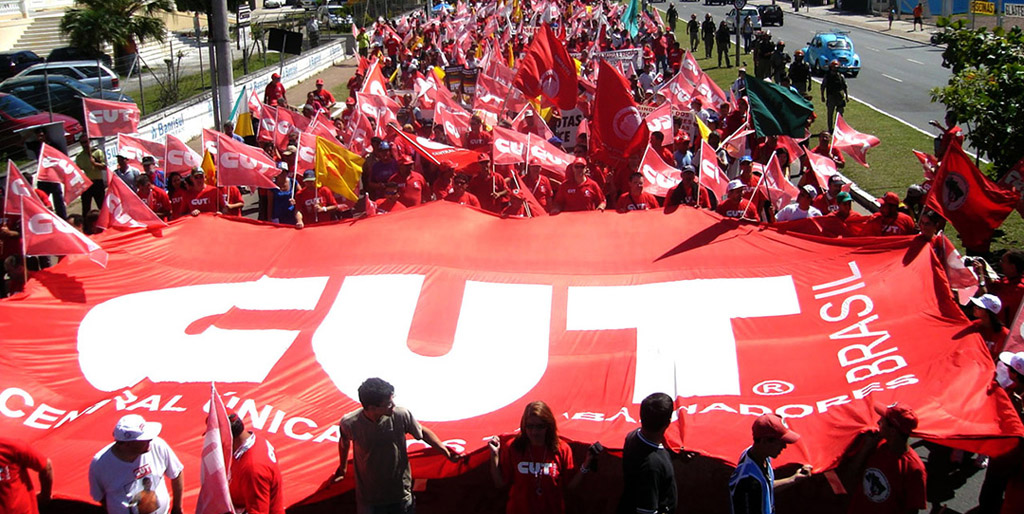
x=124 y=24
x=985 y=88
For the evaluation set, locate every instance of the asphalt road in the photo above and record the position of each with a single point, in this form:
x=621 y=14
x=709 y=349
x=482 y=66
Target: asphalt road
x=896 y=75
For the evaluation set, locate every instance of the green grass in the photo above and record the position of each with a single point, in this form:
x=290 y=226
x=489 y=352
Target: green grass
x=189 y=85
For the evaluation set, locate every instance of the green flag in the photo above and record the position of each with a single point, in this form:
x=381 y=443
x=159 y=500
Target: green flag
x=777 y=110
x=631 y=18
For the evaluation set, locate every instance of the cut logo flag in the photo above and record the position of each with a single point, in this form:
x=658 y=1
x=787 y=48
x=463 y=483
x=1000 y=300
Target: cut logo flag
x=852 y=143
x=547 y=70
x=660 y=120
x=460 y=159
x=711 y=175
x=338 y=168
x=45 y=233
x=123 y=209
x=659 y=177
x=618 y=128
x=178 y=157
x=109 y=118
x=54 y=166
x=375 y=83
x=215 y=464
x=239 y=164
x=136 y=148
x=17 y=188
x=975 y=205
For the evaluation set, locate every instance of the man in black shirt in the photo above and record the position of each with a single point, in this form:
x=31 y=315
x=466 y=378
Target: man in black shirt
x=650 y=480
x=707 y=32
x=752 y=485
x=834 y=92
x=693 y=29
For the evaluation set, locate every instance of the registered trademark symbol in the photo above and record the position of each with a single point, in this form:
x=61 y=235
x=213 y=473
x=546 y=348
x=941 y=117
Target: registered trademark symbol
x=773 y=388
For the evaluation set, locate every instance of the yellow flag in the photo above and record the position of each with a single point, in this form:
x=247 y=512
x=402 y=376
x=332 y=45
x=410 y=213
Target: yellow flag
x=209 y=169
x=440 y=74
x=511 y=57
x=243 y=127
x=704 y=130
x=338 y=168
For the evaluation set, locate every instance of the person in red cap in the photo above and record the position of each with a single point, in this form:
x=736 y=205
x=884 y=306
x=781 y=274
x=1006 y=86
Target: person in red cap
x=476 y=138
x=489 y=187
x=682 y=156
x=412 y=187
x=579 y=192
x=325 y=97
x=16 y=459
x=458 y=193
x=539 y=185
x=752 y=484
x=350 y=109
x=891 y=476
x=889 y=221
x=274 y=94
x=636 y=199
x=255 y=482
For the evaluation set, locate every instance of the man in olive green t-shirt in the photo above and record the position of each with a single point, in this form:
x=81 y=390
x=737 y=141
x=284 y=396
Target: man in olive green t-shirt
x=94 y=164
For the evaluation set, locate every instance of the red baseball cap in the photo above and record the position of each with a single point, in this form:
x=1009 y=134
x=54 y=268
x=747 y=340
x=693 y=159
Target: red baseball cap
x=899 y=416
x=319 y=82
x=891 y=198
x=406 y=160
x=579 y=160
x=275 y=76
x=771 y=426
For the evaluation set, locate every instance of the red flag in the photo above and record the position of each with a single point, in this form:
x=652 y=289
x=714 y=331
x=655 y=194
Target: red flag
x=454 y=126
x=679 y=91
x=711 y=176
x=17 y=187
x=709 y=90
x=239 y=164
x=551 y=159
x=110 y=118
x=547 y=70
x=690 y=69
x=928 y=163
x=779 y=188
x=660 y=120
x=215 y=464
x=852 y=143
x=178 y=157
x=375 y=83
x=509 y=146
x=135 y=148
x=1014 y=177
x=255 y=104
x=278 y=122
x=123 y=209
x=437 y=153
x=54 y=166
x=305 y=155
x=45 y=233
x=371 y=207
x=380 y=108
x=659 y=176
x=618 y=128
x=823 y=167
x=1015 y=342
x=975 y=205
x=792 y=148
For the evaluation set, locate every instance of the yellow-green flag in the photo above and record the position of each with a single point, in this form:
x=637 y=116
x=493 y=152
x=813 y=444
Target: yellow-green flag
x=338 y=168
x=704 y=130
x=209 y=169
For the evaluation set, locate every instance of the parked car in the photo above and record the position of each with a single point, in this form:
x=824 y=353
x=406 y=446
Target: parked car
x=331 y=16
x=74 y=53
x=719 y=2
x=832 y=45
x=65 y=93
x=755 y=18
x=272 y=4
x=16 y=114
x=771 y=14
x=16 y=60
x=87 y=72
x=308 y=5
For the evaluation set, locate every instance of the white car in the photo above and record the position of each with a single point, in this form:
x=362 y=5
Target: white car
x=89 y=72
x=308 y=5
x=273 y=4
x=755 y=18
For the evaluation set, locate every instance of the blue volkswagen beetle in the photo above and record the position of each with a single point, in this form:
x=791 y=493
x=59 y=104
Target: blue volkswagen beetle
x=832 y=45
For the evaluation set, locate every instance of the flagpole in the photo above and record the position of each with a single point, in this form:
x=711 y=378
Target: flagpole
x=516 y=179
x=24 y=246
x=700 y=172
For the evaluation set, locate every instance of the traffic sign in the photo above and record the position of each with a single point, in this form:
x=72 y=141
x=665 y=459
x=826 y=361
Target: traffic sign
x=980 y=7
x=244 y=13
x=1013 y=10
x=739 y=4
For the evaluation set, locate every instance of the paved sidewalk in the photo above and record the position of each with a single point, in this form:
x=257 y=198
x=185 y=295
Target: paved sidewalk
x=828 y=13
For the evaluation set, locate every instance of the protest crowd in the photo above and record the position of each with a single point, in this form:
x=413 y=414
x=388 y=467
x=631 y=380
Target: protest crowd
x=524 y=110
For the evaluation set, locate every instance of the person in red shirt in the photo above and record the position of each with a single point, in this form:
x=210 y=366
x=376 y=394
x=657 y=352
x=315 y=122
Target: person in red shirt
x=458 y=193
x=579 y=192
x=828 y=202
x=985 y=310
x=16 y=459
x=412 y=187
x=892 y=478
x=664 y=151
x=536 y=465
x=855 y=222
x=200 y=196
x=823 y=148
x=734 y=205
x=231 y=201
x=1010 y=287
x=177 y=190
x=154 y=197
x=889 y=221
x=391 y=201
x=313 y=205
x=636 y=199
x=255 y=482
x=686 y=192
x=477 y=138
x=754 y=194
x=539 y=185
x=488 y=187
x=951 y=132
x=323 y=96
x=274 y=95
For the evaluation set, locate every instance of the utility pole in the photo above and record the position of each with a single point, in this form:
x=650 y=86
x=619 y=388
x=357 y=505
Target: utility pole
x=225 y=74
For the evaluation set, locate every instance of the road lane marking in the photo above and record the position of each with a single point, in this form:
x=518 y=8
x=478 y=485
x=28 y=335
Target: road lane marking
x=890 y=77
x=916 y=62
x=873 y=49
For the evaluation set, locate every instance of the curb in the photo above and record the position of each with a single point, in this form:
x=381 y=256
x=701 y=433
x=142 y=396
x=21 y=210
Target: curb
x=847 y=24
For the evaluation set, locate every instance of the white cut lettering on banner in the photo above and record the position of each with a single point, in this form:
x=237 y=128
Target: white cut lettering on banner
x=519 y=350
x=42 y=224
x=699 y=363
x=111 y=357
x=65 y=167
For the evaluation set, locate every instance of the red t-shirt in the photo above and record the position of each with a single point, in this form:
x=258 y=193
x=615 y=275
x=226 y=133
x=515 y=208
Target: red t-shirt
x=386 y=205
x=825 y=203
x=230 y=194
x=256 y=479
x=204 y=201
x=879 y=226
x=536 y=478
x=1010 y=293
x=466 y=198
x=16 y=459
x=306 y=202
x=157 y=200
x=483 y=185
x=410 y=189
x=178 y=203
x=689 y=196
x=481 y=141
x=274 y=91
x=627 y=203
x=994 y=341
x=736 y=208
x=579 y=197
x=541 y=190
x=890 y=483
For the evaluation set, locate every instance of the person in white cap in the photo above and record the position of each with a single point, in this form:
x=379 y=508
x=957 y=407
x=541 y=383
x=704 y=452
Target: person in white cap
x=127 y=476
x=734 y=205
x=985 y=311
x=801 y=208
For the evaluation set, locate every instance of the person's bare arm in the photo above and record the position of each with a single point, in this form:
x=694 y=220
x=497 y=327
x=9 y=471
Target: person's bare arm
x=495 y=446
x=177 y=489
x=431 y=438
x=46 y=483
x=802 y=473
x=343 y=444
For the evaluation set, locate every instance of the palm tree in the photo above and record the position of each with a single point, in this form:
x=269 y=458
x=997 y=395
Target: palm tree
x=124 y=24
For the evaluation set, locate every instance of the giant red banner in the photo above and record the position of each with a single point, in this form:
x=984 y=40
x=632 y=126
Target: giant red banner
x=726 y=317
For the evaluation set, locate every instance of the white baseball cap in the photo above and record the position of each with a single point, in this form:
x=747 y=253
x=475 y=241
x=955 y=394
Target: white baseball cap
x=989 y=302
x=1013 y=360
x=134 y=428
x=734 y=184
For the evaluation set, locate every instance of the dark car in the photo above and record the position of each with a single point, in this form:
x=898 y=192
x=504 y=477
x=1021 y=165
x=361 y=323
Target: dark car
x=771 y=14
x=73 y=53
x=16 y=60
x=65 y=93
x=16 y=114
